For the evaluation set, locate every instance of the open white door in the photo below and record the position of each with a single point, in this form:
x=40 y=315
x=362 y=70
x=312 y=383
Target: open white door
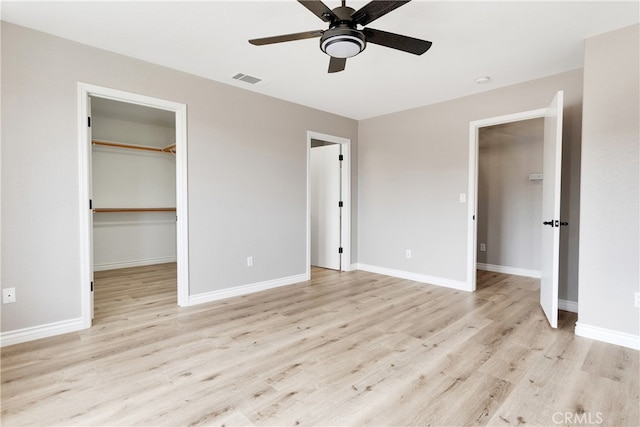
x=551 y=172
x=325 y=209
x=90 y=185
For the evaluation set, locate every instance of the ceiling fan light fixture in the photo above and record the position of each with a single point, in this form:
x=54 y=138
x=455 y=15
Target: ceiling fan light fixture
x=342 y=43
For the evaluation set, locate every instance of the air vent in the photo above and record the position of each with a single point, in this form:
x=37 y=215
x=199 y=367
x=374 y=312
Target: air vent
x=247 y=78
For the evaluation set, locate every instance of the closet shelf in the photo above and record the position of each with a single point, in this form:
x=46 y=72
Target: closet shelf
x=169 y=149
x=108 y=210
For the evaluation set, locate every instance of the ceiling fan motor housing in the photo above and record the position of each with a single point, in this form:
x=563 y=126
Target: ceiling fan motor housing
x=342 y=42
x=342 y=39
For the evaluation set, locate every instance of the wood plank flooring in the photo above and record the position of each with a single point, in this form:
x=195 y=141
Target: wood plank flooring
x=342 y=349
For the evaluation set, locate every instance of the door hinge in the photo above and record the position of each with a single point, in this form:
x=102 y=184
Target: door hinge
x=89 y=121
x=341 y=157
x=339 y=250
x=92 y=286
x=340 y=204
x=90 y=204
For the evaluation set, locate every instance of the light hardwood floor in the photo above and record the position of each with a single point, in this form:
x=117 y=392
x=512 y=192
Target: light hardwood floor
x=343 y=349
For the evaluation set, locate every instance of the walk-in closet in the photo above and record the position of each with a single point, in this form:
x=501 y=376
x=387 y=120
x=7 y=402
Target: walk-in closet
x=133 y=181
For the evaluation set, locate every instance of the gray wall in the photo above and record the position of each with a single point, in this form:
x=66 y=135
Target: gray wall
x=246 y=169
x=509 y=204
x=610 y=202
x=414 y=164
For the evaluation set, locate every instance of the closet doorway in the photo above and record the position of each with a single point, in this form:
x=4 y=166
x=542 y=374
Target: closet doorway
x=133 y=161
x=133 y=188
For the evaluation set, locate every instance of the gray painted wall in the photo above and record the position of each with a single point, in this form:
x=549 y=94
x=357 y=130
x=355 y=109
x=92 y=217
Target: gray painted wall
x=247 y=173
x=509 y=203
x=414 y=164
x=610 y=202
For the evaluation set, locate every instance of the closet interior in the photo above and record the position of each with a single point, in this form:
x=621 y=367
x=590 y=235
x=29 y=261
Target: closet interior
x=133 y=180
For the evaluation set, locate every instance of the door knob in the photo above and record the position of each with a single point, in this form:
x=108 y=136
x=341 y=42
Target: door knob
x=555 y=223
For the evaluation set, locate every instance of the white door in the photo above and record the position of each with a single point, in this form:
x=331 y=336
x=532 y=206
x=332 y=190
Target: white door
x=325 y=208
x=551 y=209
x=90 y=185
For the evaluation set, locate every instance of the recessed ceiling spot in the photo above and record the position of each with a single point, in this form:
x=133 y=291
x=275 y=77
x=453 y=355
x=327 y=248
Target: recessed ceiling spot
x=247 y=78
x=482 y=80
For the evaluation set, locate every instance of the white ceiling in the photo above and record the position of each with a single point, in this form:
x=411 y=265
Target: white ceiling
x=510 y=41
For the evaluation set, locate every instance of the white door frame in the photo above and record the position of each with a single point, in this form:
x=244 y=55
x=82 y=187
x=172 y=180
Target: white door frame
x=472 y=227
x=85 y=91
x=345 y=235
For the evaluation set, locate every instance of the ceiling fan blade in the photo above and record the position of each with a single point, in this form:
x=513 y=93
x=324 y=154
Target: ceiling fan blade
x=319 y=9
x=374 y=10
x=286 y=38
x=396 y=41
x=337 y=64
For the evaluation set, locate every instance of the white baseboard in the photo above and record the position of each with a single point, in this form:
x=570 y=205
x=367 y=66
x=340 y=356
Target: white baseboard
x=509 y=270
x=567 y=305
x=245 y=289
x=607 y=335
x=416 y=277
x=136 y=263
x=41 y=331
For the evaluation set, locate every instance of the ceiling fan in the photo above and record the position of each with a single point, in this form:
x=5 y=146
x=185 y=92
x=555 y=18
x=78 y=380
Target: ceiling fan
x=343 y=39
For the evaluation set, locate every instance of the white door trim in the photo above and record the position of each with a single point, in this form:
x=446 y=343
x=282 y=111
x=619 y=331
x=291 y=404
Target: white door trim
x=86 y=90
x=346 y=198
x=472 y=229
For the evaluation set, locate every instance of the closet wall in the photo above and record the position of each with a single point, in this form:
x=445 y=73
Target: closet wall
x=509 y=199
x=131 y=178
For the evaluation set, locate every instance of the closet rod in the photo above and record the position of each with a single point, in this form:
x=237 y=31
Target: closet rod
x=135 y=147
x=98 y=210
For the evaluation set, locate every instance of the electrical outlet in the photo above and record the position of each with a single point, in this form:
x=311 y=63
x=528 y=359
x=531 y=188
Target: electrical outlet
x=637 y=301
x=249 y=261
x=483 y=247
x=8 y=295
x=407 y=253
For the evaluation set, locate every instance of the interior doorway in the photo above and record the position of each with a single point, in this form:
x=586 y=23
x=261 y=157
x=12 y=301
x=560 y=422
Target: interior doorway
x=328 y=202
x=509 y=197
x=551 y=195
x=133 y=187
x=179 y=211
